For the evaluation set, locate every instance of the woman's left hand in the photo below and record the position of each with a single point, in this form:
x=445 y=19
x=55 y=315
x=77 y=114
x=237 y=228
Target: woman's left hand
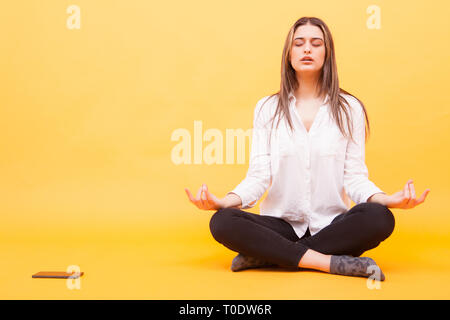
x=406 y=198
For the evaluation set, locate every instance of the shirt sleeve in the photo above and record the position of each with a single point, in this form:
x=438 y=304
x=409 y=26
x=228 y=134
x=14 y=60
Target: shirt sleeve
x=356 y=176
x=258 y=176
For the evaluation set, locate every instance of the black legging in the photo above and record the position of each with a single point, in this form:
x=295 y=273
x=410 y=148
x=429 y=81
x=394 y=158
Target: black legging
x=273 y=239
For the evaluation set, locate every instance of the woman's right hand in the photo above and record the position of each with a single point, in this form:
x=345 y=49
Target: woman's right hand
x=205 y=200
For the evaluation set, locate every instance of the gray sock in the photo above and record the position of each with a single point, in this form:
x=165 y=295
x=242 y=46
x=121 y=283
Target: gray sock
x=356 y=266
x=242 y=262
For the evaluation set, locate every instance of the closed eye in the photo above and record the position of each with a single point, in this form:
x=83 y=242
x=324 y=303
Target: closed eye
x=315 y=45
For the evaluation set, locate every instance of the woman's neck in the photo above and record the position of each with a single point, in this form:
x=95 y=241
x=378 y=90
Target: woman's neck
x=308 y=88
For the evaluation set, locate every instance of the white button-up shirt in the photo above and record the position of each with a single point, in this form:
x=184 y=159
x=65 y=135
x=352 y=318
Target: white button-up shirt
x=310 y=174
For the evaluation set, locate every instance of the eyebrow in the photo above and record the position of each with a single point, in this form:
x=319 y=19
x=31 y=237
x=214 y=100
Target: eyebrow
x=311 y=38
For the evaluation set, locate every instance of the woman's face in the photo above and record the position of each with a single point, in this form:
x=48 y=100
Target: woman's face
x=308 y=42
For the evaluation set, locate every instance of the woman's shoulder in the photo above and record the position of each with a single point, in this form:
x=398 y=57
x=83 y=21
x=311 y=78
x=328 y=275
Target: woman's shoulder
x=270 y=101
x=351 y=99
x=353 y=103
x=267 y=105
x=265 y=108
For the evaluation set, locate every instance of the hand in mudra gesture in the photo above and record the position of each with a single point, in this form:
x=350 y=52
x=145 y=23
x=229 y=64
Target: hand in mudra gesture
x=406 y=198
x=205 y=200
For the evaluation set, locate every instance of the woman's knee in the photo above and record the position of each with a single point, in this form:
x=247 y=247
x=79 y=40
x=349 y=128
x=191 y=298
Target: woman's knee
x=380 y=219
x=219 y=223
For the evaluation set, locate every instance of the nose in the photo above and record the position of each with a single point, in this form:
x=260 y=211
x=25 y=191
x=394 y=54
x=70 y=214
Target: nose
x=307 y=48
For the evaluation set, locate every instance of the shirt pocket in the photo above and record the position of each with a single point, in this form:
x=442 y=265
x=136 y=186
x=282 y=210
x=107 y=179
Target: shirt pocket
x=285 y=144
x=286 y=148
x=333 y=147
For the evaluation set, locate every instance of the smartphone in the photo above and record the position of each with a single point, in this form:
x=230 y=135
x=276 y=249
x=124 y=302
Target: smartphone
x=57 y=275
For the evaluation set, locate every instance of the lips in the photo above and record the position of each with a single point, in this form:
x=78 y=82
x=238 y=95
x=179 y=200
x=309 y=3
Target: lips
x=307 y=59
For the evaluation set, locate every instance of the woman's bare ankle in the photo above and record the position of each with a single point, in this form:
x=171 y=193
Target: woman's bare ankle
x=315 y=260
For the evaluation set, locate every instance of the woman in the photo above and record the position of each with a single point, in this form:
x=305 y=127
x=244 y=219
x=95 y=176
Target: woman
x=311 y=161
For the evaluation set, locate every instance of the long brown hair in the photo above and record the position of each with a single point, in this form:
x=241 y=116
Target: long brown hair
x=328 y=80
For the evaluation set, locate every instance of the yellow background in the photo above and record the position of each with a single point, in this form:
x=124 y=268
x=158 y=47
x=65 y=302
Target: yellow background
x=86 y=118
